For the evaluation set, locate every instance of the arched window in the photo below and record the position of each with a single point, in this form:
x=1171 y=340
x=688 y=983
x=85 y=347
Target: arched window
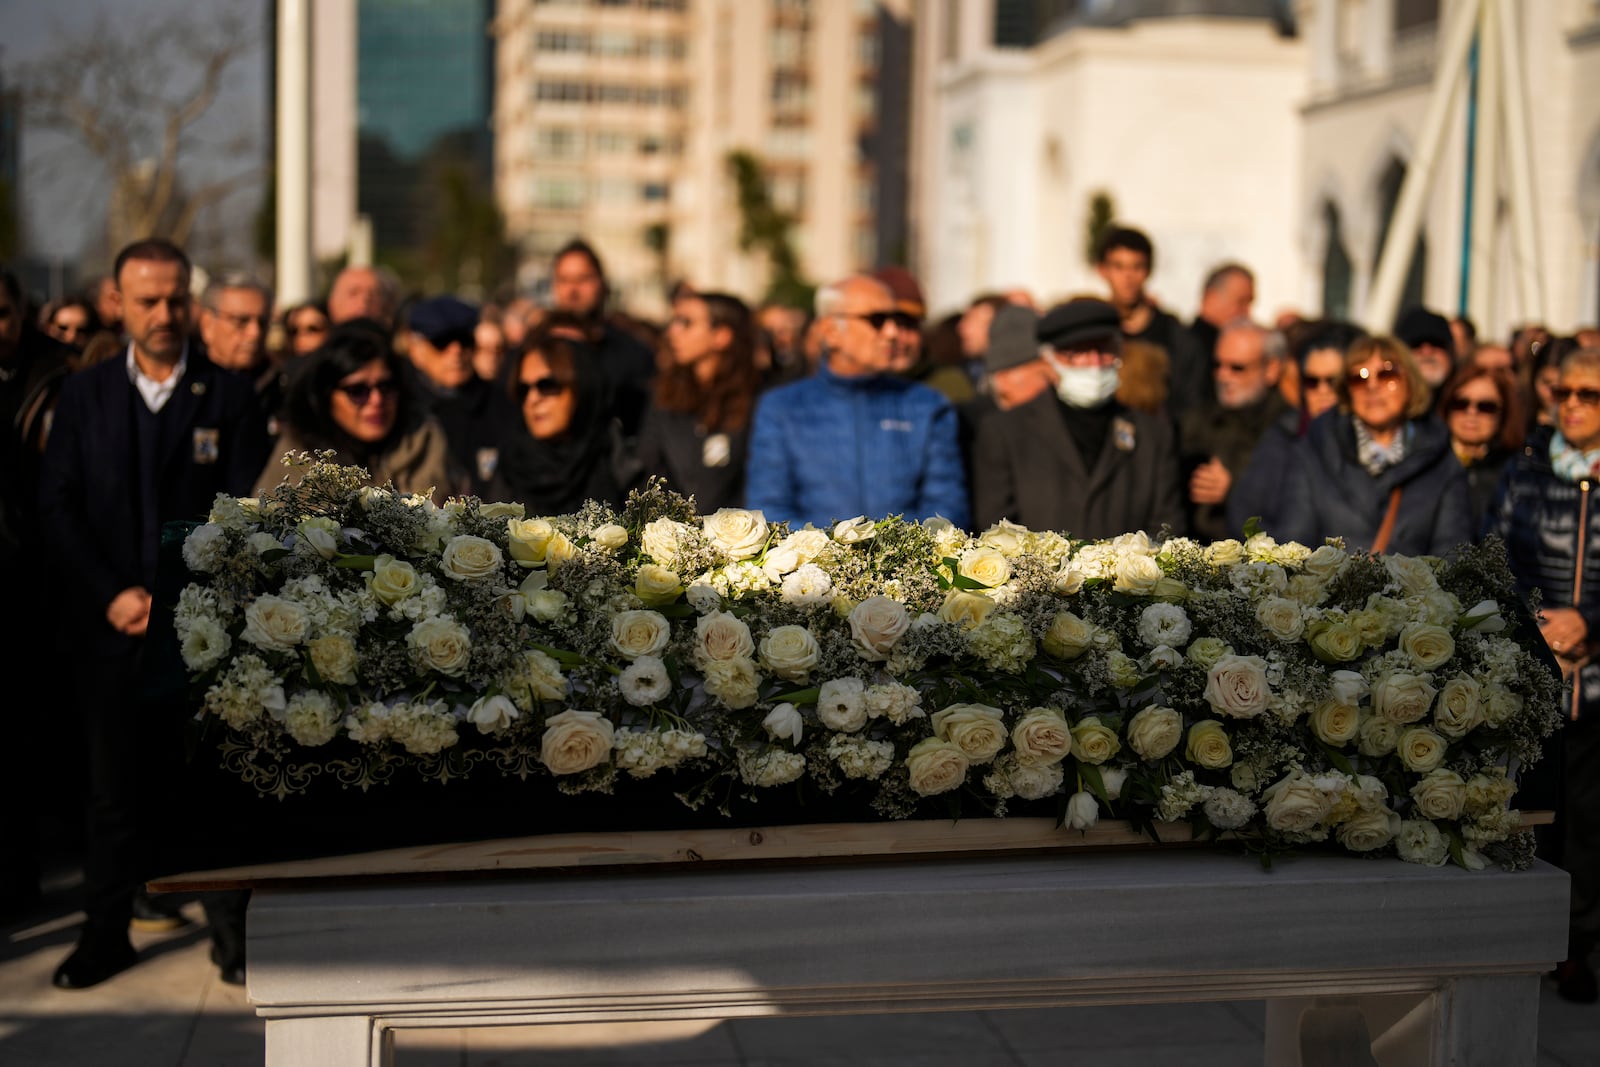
x=1337 y=271
x=1394 y=177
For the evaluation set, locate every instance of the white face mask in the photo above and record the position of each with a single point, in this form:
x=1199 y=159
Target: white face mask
x=1085 y=387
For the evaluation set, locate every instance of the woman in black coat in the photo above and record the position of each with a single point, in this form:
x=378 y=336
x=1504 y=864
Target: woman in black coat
x=1482 y=408
x=696 y=435
x=1378 y=452
x=558 y=442
x=1547 y=517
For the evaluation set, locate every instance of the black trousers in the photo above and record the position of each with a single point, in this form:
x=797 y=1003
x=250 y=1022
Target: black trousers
x=1579 y=829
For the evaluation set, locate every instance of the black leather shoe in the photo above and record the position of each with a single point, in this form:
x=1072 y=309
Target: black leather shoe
x=157 y=914
x=230 y=964
x=93 y=961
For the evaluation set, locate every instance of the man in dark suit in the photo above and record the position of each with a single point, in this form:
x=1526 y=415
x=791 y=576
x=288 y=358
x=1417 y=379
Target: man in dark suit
x=139 y=440
x=1073 y=459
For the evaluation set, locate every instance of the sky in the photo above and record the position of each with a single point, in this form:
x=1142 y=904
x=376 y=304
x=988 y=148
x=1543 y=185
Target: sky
x=64 y=187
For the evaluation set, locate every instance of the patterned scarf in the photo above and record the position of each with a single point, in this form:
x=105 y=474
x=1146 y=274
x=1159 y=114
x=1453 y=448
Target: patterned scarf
x=1571 y=464
x=1375 y=458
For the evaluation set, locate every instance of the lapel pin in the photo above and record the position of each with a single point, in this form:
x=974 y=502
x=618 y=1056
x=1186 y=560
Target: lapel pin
x=198 y=388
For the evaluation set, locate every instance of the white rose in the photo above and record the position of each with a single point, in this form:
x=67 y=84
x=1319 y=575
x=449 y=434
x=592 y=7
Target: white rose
x=1237 y=686
x=1208 y=745
x=275 y=624
x=203 y=548
x=1296 y=804
x=1335 y=723
x=979 y=730
x=784 y=723
x=934 y=766
x=987 y=566
x=318 y=537
x=1484 y=617
x=656 y=585
x=392 y=580
x=876 y=624
x=441 y=644
x=1325 y=562
x=644 y=682
x=1093 y=741
x=965 y=609
x=529 y=540
x=575 y=741
x=334 y=658
x=1224 y=553
x=1165 y=624
x=1008 y=537
x=1069 y=580
x=1154 y=732
x=1368 y=830
x=790 y=652
x=610 y=536
x=639 y=633
x=703 y=598
x=1402 y=697
x=1042 y=736
x=493 y=714
x=1113 y=778
x=780 y=559
x=1083 y=811
x=1414 y=574
x=501 y=510
x=262 y=543
x=1281 y=618
x=736 y=532
x=1459 y=710
x=854 y=531
x=662 y=538
x=808 y=587
x=841 y=705
x=205 y=642
x=1429 y=647
x=1441 y=794
x=465 y=558
x=721 y=636
x=1420 y=749
x=1068 y=637
x=1137 y=574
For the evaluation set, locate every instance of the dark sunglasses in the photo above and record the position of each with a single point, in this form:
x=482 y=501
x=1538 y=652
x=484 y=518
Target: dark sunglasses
x=1236 y=368
x=360 y=392
x=295 y=331
x=546 y=386
x=1481 y=407
x=879 y=319
x=1587 y=397
x=1315 y=381
x=1387 y=375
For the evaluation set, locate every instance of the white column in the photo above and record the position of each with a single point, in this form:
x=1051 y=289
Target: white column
x=1486 y=173
x=1520 y=149
x=1384 y=299
x=293 y=278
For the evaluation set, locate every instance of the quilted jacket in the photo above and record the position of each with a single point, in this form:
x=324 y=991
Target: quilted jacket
x=828 y=448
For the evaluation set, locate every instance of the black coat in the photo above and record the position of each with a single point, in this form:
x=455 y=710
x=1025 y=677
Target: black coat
x=674 y=446
x=1027 y=468
x=1258 y=491
x=471 y=417
x=1231 y=435
x=1329 y=493
x=1189 y=381
x=89 y=497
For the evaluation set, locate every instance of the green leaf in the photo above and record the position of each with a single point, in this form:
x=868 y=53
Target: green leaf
x=1337 y=758
x=560 y=655
x=1089 y=774
x=273 y=555
x=799 y=696
x=356 y=563
x=1252 y=526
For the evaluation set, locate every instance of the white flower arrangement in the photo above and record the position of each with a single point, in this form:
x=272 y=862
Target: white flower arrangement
x=1280 y=692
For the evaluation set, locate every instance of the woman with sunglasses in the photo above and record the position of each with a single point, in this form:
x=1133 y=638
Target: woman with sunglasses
x=560 y=446
x=1546 y=514
x=1378 y=470
x=1483 y=410
x=697 y=434
x=350 y=396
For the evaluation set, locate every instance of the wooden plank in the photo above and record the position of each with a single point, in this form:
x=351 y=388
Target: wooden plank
x=813 y=841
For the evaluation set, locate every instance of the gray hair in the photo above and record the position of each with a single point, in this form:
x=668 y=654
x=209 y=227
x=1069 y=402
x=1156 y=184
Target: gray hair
x=1223 y=272
x=829 y=299
x=233 y=279
x=1274 y=346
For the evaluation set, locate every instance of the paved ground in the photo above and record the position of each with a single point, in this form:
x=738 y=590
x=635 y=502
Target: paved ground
x=171 y=1009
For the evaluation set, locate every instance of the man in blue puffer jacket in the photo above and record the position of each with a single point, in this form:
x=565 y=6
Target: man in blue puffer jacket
x=855 y=439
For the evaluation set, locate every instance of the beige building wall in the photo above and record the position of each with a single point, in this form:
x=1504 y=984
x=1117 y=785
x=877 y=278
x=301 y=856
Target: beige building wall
x=1372 y=80
x=1191 y=125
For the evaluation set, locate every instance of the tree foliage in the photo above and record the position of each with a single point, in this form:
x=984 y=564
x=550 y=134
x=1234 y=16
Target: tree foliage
x=133 y=91
x=1102 y=211
x=765 y=229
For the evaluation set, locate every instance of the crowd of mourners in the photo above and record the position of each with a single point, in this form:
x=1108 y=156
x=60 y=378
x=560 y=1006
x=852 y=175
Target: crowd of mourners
x=134 y=404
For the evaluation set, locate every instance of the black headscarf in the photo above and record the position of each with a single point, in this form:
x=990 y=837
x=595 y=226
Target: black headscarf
x=555 y=476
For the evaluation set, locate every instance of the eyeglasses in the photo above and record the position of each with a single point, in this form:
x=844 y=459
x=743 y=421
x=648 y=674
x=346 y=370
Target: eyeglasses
x=546 y=386
x=1587 y=397
x=294 y=331
x=360 y=392
x=1236 y=368
x=1464 y=404
x=242 y=322
x=1388 y=376
x=1315 y=381
x=879 y=319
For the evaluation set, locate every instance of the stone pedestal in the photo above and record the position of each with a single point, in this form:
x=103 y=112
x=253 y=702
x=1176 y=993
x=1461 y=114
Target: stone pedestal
x=1399 y=964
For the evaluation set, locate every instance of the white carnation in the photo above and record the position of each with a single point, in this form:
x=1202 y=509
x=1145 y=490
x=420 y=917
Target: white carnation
x=644 y=682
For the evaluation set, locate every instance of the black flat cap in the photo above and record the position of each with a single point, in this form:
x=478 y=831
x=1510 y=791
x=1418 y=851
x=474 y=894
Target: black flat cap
x=1419 y=326
x=1011 y=338
x=1079 y=320
x=443 y=319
